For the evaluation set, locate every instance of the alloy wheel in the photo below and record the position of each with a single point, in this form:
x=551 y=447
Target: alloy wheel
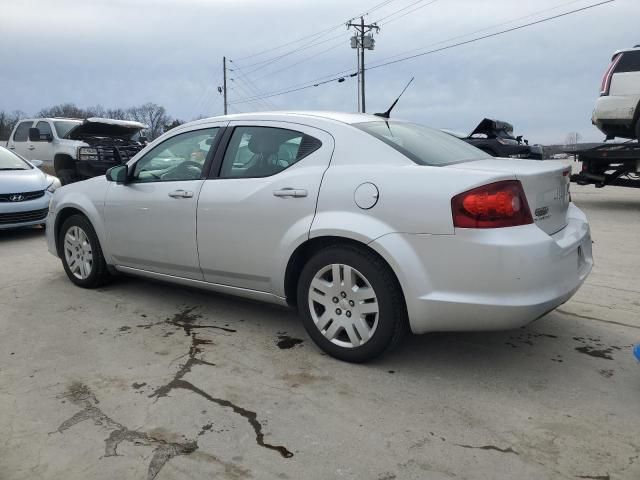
x=343 y=305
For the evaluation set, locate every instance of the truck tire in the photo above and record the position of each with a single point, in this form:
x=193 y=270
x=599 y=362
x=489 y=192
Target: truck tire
x=66 y=176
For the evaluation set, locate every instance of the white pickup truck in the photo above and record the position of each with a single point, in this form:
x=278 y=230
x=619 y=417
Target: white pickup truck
x=77 y=149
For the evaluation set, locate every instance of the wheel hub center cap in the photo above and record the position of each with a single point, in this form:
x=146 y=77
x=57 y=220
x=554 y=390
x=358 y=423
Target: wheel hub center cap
x=344 y=303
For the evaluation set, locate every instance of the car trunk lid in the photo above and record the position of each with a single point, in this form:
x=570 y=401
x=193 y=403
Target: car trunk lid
x=545 y=184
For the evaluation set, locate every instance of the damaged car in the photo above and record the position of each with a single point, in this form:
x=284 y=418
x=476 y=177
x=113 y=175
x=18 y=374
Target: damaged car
x=495 y=137
x=77 y=149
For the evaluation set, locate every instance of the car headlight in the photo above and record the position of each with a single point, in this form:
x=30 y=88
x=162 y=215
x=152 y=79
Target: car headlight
x=52 y=183
x=85 y=153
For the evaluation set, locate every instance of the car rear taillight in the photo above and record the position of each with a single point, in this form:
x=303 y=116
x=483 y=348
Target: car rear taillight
x=606 y=78
x=497 y=205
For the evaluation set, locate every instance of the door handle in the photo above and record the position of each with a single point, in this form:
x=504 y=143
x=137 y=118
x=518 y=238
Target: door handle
x=12 y=147
x=181 y=194
x=31 y=147
x=290 y=192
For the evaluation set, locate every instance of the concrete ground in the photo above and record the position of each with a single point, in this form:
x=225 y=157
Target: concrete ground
x=142 y=380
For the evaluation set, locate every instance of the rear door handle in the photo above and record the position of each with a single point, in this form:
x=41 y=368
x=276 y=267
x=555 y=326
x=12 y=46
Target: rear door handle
x=12 y=147
x=181 y=194
x=31 y=147
x=290 y=192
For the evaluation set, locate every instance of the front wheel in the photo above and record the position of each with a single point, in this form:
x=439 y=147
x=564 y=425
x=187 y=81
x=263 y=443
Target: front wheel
x=81 y=253
x=351 y=304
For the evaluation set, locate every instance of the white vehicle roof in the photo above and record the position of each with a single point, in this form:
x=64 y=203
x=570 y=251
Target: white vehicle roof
x=342 y=117
x=632 y=49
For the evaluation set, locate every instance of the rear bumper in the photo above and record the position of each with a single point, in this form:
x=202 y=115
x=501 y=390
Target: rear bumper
x=488 y=279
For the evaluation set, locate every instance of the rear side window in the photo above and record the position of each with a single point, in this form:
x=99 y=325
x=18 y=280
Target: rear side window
x=423 y=145
x=264 y=151
x=22 y=132
x=630 y=62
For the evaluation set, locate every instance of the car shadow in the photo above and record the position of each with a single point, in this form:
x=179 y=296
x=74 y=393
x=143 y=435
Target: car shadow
x=22 y=233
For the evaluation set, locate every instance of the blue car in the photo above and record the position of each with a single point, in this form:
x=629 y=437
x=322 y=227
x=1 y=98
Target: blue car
x=636 y=352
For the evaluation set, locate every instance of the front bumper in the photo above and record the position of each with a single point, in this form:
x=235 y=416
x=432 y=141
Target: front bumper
x=24 y=214
x=490 y=279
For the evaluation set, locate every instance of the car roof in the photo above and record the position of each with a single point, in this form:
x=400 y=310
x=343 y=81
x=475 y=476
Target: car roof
x=342 y=117
x=50 y=119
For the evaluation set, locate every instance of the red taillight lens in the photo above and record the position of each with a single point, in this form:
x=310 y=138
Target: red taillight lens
x=605 y=84
x=497 y=205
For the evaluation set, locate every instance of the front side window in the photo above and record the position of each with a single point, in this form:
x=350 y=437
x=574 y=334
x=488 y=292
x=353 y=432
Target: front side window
x=179 y=158
x=22 y=132
x=45 y=129
x=255 y=152
x=423 y=145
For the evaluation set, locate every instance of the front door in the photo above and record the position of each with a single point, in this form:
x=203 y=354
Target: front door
x=20 y=142
x=261 y=202
x=151 y=220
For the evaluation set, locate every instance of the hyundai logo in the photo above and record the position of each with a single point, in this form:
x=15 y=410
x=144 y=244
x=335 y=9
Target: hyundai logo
x=16 y=198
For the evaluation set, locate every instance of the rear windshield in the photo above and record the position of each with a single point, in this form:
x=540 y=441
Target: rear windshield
x=423 y=145
x=630 y=62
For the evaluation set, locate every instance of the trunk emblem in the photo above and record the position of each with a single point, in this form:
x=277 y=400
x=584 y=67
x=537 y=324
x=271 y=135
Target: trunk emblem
x=542 y=211
x=16 y=198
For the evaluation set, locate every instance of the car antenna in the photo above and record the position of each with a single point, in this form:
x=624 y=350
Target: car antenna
x=387 y=114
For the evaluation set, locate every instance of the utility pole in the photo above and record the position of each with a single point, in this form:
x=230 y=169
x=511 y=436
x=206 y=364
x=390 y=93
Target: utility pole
x=362 y=40
x=224 y=82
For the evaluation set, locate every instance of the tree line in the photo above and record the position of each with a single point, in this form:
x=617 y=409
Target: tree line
x=153 y=115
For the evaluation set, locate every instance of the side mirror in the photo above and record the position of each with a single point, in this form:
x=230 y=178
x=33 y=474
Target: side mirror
x=144 y=140
x=34 y=134
x=118 y=174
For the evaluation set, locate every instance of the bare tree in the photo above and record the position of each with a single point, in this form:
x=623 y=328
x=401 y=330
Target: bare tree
x=65 y=110
x=153 y=115
x=571 y=140
x=8 y=121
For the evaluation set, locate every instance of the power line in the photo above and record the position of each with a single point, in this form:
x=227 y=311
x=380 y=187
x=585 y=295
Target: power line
x=409 y=12
x=491 y=27
x=317 y=34
x=310 y=84
x=519 y=27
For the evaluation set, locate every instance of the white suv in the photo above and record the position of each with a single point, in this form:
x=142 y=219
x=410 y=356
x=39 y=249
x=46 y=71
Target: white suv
x=617 y=111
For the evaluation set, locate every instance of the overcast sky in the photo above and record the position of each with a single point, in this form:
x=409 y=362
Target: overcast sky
x=543 y=79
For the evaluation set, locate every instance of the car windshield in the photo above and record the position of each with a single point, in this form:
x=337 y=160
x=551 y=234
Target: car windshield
x=423 y=145
x=63 y=126
x=10 y=161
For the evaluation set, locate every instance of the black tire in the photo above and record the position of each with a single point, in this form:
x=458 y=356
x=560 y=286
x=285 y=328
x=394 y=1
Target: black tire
x=392 y=316
x=638 y=129
x=99 y=274
x=66 y=176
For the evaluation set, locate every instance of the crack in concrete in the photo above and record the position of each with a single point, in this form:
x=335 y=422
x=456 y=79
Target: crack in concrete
x=489 y=447
x=179 y=383
x=586 y=317
x=595 y=477
x=163 y=451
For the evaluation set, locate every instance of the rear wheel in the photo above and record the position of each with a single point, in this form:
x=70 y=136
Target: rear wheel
x=81 y=253
x=351 y=304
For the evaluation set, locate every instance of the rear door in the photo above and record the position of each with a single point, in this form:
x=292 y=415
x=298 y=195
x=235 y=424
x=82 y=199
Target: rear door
x=261 y=202
x=20 y=143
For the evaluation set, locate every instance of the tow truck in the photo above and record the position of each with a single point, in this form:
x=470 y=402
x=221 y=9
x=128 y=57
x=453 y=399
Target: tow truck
x=609 y=164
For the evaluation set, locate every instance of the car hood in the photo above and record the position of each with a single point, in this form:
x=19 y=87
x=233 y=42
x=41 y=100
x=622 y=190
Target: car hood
x=19 y=181
x=104 y=127
x=492 y=128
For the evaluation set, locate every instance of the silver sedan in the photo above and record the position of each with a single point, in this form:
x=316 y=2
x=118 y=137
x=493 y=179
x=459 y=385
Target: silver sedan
x=369 y=227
